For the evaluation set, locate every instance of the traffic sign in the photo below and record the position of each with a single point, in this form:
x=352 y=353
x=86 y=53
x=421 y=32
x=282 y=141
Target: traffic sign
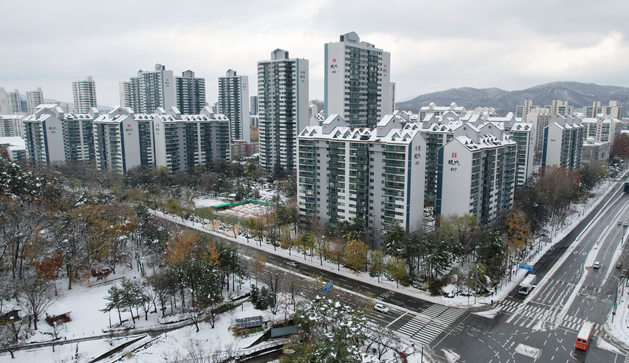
x=328 y=286
x=526 y=267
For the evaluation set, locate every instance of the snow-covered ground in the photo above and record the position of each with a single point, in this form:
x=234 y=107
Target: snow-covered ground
x=85 y=301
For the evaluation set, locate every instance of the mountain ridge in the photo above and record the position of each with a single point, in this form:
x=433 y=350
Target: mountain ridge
x=576 y=93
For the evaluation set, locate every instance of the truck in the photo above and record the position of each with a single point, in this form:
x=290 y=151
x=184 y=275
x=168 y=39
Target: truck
x=527 y=284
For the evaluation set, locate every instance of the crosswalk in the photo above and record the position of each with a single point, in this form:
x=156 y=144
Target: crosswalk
x=531 y=314
x=427 y=325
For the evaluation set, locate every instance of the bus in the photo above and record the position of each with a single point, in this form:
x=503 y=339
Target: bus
x=527 y=284
x=585 y=334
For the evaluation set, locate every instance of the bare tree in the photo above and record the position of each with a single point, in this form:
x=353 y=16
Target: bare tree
x=10 y=334
x=37 y=295
x=382 y=340
x=274 y=279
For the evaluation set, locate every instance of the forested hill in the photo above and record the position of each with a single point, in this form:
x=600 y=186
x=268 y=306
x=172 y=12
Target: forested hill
x=577 y=94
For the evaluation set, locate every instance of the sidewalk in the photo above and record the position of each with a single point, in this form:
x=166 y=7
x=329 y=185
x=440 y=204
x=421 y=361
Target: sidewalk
x=458 y=301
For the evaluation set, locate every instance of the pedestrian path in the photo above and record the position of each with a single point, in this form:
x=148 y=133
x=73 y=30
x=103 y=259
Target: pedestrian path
x=531 y=314
x=428 y=324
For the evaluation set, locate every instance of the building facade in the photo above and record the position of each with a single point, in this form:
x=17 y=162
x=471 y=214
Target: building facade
x=190 y=93
x=596 y=109
x=476 y=175
x=150 y=90
x=370 y=174
x=563 y=142
x=11 y=125
x=84 y=95
x=233 y=102
x=124 y=139
x=283 y=109
x=357 y=81
x=15 y=103
x=54 y=137
x=34 y=99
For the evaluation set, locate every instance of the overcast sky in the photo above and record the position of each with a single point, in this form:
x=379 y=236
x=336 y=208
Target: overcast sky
x=434 y=45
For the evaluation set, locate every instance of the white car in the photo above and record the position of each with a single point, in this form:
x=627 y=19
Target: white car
x=381 y=308
x=596 y=264
x=292 y=264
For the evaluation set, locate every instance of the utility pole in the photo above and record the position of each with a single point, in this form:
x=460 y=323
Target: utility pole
x=476 y=283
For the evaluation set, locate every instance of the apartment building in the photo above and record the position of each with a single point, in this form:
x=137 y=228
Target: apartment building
x=84 y=95
x=34 y=99
x=15 y=103
x=563 y=142
x=602 y=128
x=435 y=110
x=476 y=174
x=357 y=81
x=596 y=109
x=283 y=109
x=233 y=102
x=560 y=107
x=374 y=175
x=190 y=93
x=55 y=137
x=594 y=152
x=11 y=125
x=150 y=90
x=124 y=140
x=539 y=117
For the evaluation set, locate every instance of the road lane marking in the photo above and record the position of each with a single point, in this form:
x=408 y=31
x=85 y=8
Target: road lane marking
x=400 y=317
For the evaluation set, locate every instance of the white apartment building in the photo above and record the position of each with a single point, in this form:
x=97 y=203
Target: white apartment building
x=11 y=125
x=124 y=140
x=15 y=147
x=595 y=152
x=357 y=81
x=560 y=107
x=233 y=102
x=563 y=142
x=4 y=102
x=84 y=95
x=596 y=109
x=603 y=128
x=476 y=174
x=190 y=93
x=15 y=103
x=539 y=117
x=522 y=110
x=283 y=108
x=435 y=110
x=54 y=137
x=34 y=99
x=372 y=174
x=150 y=90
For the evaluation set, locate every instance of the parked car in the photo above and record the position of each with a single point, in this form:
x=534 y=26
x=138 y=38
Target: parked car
x=596 y=264
x=619 y=265
x=381 y=308
x=292 y=264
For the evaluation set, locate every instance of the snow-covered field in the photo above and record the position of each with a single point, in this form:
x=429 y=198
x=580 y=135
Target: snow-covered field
x=245 y=211
x=84 y=303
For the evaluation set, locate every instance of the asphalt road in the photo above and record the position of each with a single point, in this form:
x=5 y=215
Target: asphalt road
x=543 y=326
